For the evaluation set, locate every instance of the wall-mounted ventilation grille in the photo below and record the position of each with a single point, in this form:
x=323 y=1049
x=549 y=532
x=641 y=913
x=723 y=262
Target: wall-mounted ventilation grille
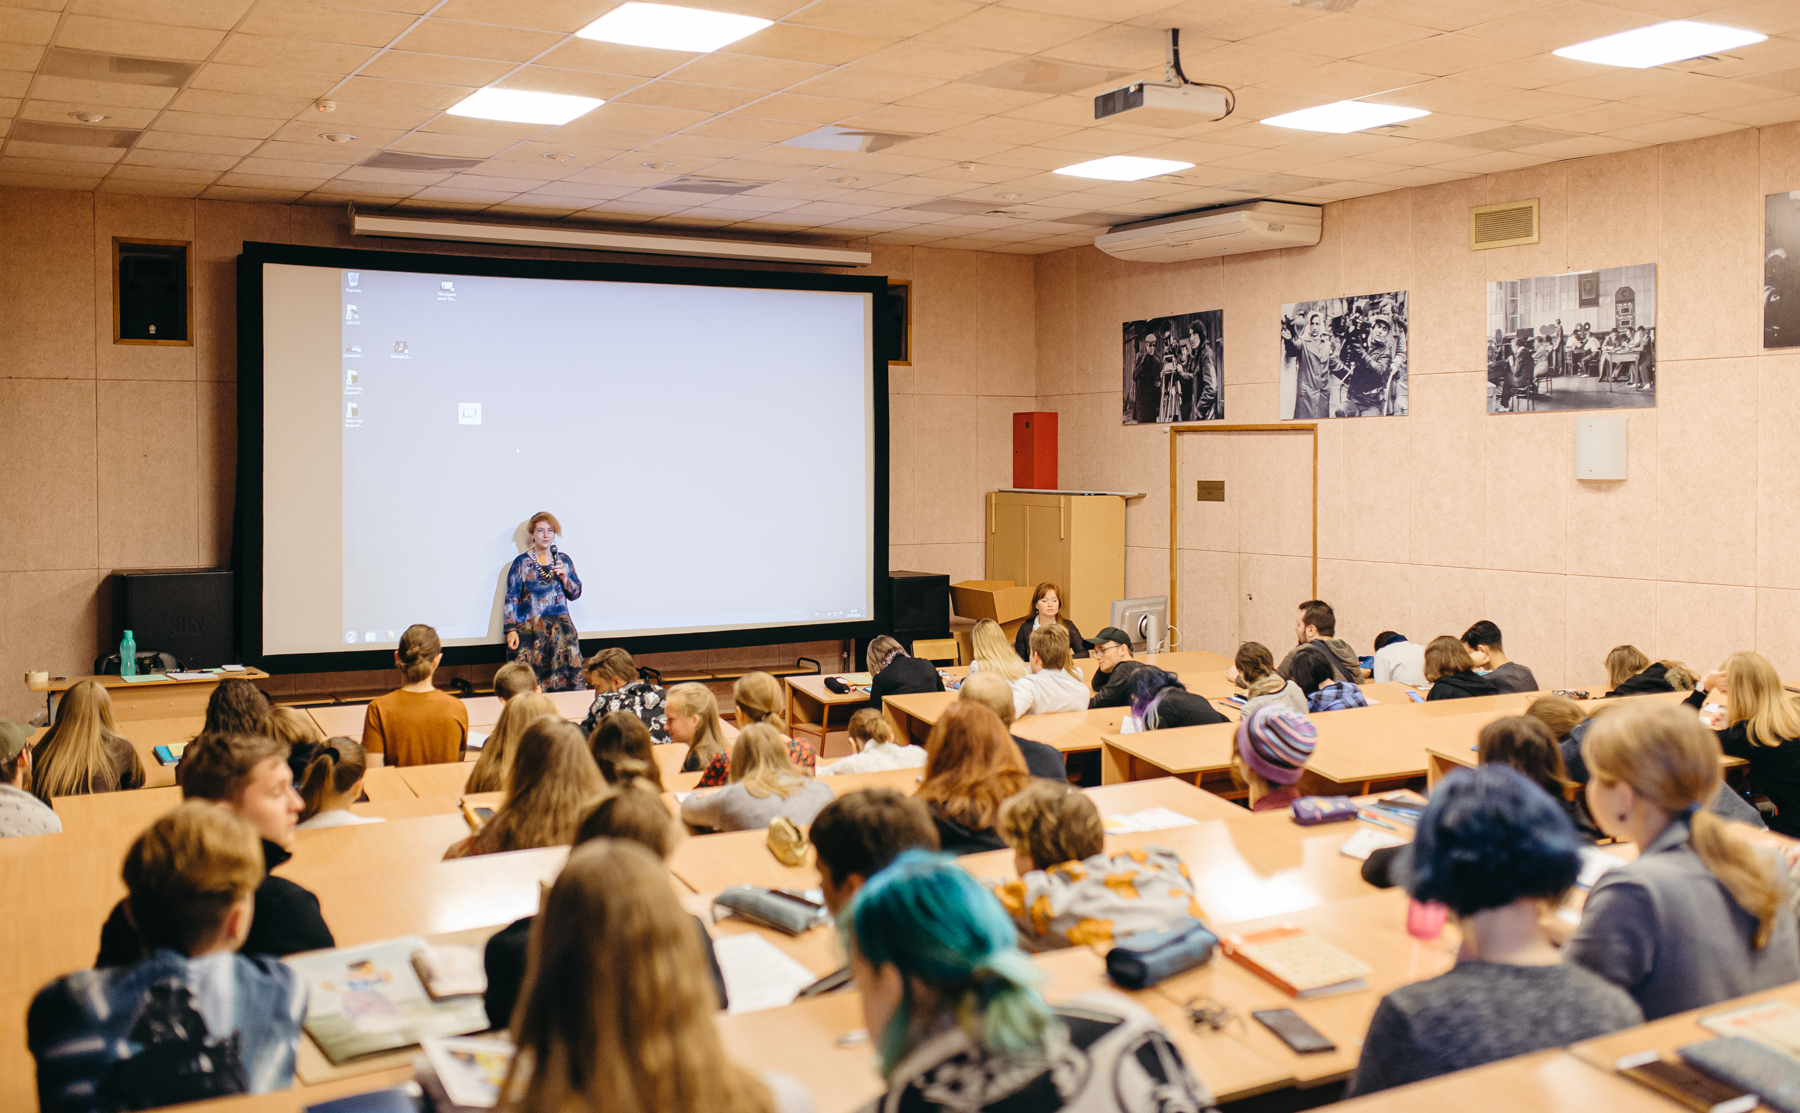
x=73 y=135
x=118 y=69
x=721 y=186
x=1508 y=225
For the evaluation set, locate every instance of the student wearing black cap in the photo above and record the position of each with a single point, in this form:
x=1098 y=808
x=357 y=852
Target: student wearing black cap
x=1113 y=668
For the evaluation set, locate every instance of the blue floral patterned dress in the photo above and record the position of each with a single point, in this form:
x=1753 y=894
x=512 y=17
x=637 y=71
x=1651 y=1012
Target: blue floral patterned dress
x=537 y=609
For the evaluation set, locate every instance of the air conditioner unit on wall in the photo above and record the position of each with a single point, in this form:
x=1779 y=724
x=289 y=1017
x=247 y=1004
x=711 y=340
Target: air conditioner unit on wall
x=1258 y=226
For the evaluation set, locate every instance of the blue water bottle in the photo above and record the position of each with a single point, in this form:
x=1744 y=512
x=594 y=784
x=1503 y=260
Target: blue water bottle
x=127 y=655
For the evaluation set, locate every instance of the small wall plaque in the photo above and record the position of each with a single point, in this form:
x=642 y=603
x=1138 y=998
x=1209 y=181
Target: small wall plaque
x=1209 y=490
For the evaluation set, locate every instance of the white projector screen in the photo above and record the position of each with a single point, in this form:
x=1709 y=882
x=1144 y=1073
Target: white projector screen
x=709 y=450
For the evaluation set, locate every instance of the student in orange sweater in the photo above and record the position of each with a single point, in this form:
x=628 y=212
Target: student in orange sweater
x=417 y=724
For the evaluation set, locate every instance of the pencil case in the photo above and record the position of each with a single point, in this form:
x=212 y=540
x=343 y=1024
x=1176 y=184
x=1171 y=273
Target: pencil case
x=1310 y=811
x=1148 y=957
x=1751 y=1067
x=773 y=909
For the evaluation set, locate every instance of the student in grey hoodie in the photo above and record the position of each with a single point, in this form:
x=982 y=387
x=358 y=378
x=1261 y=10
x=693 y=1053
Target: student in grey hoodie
x=1255 y=667
x=1317 y=622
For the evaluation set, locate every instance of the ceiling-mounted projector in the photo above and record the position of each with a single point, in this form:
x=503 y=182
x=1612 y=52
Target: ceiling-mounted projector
x=1162 y=106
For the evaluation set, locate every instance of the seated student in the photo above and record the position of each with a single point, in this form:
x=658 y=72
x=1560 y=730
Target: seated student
x=1070 y=892
x=553 y=775
x=1559 y=714
x=896 y=673
x=1046 y=611
x=1700 y=916
x=872 y=737
x=971 y=767
x=616 y=1011
x=1761 y=724
x=1273 y=745
x=236 y=707
x=1526 y=744
x=1630 y=673
x=330 y=783
x=613 y=676
x=948 y=1003
x=634 y=811
x=621 y=737
x=1566 y=718
x=1482 y=640
x=1041 y=758
x=1311 y=669
x=693 y=717
x=765 y=784
x=1451 y=672
x=294 y=727
x=495 y=762
x=1113 y=668
x=1053 y=684
x=1160 y=702
x=192 y=1018
x=1501 y=855
x=856 y=836
x=83 y=752
x=1397 y=659
x=1255 y=667
x=247 y=775
x=515 y=678
x=21 y=813
x=757 y=697
x=416 y=724
x=993 y=653
x=1317 y=625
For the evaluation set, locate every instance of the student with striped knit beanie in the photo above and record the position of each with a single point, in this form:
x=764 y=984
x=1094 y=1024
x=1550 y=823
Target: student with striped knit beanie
x=1273 y=744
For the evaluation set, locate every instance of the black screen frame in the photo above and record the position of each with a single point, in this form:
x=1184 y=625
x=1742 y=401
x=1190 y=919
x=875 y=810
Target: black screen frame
x=247 y=531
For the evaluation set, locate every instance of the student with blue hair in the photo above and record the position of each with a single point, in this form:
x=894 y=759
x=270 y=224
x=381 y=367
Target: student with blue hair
x=1499 y=853
x=950 y=1002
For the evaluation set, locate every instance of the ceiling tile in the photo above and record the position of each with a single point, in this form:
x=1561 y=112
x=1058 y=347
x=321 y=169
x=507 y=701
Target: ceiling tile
x=817 y=110
x=1341 y=35
x=146 y=40
x=196 y=144
x=808 y=44
x=1713 y=95
x=265 y=82
x=1446 y=15
x=909 y=121
x=101 y=94
x=861 y=81
x=598 y=57
x=207 y=123
x=1527 y=104
x=20 y=56
x=957 y=96
x=689 y=145
x=743 y=127
x=450 y=146
x=1495 y=162
x=256 y=164
x=999 y=129
x=889 y=19
x=1678 y=130
x=711 y=99
x=1012 y=30
x=59 y=112
x=292 y=54
x=1760 y=115
x=1606 y=118
x=162 y=174
x=18 y=25
x=252 y=195
x=399 y=94
x=1771 y=17
x=355 y=117
x=566 y=16
x=243 y=177
x=319 y=23
x=576 y=83
x=944 y=61
x=1246 y=63
x=1227 y=20
x=492 y=183
x=1560 y=25
x=292 y=143
x=436 y=69
x=477 y=40
x=1443 y=55
x=181 y=160
x=238 y=104
x=740 y=71
x=1342 y=80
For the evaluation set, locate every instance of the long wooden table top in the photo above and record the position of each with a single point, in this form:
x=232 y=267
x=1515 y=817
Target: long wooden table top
x=346 y=719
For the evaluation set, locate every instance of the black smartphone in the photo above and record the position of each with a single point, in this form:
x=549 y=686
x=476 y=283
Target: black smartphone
x=1293 y=1030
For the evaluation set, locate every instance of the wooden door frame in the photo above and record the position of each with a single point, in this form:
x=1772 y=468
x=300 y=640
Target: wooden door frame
x=1176 y=432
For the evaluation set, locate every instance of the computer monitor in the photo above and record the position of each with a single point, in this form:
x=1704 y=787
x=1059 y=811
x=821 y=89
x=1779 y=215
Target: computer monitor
x=1146 y=620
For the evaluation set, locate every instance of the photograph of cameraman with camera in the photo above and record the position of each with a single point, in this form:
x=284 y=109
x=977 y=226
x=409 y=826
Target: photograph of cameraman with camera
x=1174 y=368
x=1344 y=357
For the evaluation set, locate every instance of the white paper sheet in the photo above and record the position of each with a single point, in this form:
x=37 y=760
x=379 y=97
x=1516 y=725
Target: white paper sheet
x=1595 y=864
x=1366 y=841
x=1149 y=819
x=758 y=974
x=477 y=740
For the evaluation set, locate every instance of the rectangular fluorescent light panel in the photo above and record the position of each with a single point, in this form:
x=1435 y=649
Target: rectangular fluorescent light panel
x=1345 y=116
x=667 y=27
x=517 y=106
x=1123 y=168
x=1659 y=44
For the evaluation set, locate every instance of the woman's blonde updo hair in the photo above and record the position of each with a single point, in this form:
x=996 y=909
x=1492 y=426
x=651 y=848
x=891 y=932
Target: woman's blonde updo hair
x=758 y=699
x=418 y=651
x=543 y=516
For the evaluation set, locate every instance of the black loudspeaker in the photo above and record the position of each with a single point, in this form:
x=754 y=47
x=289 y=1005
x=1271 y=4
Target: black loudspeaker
x=187 y=614
x=153 y=292
x=921 y=605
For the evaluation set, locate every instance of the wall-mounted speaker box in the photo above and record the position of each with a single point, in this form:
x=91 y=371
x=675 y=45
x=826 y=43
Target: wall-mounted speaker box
x=186 y=612
x=921 y=605
x=1034 y=451
x=1600 y=446
x=151 y=293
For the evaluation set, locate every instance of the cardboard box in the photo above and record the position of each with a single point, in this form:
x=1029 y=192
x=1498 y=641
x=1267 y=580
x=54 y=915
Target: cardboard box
x=1000 y=600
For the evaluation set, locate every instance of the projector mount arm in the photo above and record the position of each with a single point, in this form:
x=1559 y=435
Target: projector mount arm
x=1173 y=75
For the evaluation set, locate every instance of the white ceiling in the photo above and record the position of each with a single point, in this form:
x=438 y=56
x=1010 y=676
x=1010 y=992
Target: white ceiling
x=244 y=126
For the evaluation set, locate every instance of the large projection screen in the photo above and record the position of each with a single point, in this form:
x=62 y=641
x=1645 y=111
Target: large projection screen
x=713 y=443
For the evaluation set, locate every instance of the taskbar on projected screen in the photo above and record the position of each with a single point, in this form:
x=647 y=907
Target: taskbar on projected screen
x=686 y=623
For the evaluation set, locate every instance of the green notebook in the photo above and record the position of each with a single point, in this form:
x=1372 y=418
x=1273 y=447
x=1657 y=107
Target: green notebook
x=144 y=677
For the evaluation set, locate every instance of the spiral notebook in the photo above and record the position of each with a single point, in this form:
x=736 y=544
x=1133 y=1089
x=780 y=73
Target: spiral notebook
x=1298 y=962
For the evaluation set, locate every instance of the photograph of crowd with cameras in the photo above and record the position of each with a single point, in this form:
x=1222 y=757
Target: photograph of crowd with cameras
x=1578 y=341
x=1175 y=368
x=1781 y=270
x=1344 y=357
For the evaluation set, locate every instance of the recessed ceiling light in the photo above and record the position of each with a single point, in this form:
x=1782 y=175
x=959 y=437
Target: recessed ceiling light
x=1123 y=168
x=336 y=136
x=667 y=27
x=844 y=181
x=657 y=165
x=1009 y=196
x=89 y=117
x=517 y=106
x=557 y=156
x=1659 y=44
x=1345 y=116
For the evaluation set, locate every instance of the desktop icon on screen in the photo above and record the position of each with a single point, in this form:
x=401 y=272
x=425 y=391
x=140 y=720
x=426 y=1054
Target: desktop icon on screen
x=401 y=350
x=350 y=313
x=468 y=413
x=352 y=277
x=349 y=637
x=371 y=636
x=352 y=351
x=350 y=409
x=350 y=378
x=447 y=287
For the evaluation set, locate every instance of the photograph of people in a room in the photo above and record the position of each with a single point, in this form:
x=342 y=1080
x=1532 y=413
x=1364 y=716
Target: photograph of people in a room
x=1175 y=368
x=1781 y=270
x=1579 y=341
x=1344 y=357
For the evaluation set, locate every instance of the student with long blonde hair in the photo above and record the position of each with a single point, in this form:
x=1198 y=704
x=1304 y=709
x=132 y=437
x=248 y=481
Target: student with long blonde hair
x=1701 y=915
x=765 y=784
x=495 y=762
x=84 y=751
x=617 y=1009
x=971 y=768
x=993 y=653
x=553 y=775
x=1760 y=724
x=694 y=722
x=1629 y=673
x=758 y=699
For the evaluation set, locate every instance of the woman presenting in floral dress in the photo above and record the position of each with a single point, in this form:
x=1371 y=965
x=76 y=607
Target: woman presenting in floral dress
x=539 y=629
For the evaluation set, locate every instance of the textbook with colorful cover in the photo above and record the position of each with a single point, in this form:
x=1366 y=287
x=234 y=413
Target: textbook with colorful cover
x=369 y=999
x=170 y=754
x=1298 y=962
x=1774 y=1024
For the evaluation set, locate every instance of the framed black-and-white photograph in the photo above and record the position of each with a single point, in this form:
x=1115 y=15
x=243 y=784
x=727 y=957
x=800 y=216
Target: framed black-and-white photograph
x=1579 y=341
x=1344 y=357
x=1781 y=270
x=1175 y=368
